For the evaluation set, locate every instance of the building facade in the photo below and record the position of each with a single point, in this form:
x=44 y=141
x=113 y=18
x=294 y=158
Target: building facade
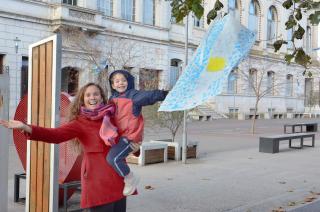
x=141 y=36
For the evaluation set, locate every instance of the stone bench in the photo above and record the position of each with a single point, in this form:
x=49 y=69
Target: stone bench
x=270 y=144
x=175 y=148
x=150 y=153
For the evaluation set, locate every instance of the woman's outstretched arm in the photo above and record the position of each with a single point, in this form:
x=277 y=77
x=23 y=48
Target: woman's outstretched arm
x=50 y=135
x=13 y=124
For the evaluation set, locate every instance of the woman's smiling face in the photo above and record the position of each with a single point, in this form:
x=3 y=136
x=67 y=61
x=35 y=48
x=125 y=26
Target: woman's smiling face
x=92 y=97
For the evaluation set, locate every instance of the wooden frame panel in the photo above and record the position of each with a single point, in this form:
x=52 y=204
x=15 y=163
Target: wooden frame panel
x=43 y=104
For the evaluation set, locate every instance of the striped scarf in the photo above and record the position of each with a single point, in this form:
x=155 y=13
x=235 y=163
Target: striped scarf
x=108 y=132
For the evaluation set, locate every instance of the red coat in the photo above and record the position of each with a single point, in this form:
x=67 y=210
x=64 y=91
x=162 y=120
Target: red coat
x=100 y=184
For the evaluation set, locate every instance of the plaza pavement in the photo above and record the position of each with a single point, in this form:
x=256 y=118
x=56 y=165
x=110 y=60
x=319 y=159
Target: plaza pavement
x=229 y=174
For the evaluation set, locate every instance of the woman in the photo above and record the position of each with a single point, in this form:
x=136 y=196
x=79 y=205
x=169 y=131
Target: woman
x=90 y=124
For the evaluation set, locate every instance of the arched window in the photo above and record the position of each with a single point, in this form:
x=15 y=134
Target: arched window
x=270 y=82
x=149 y=12
x=272 y=24
x=232 y=82
x=128 y=9
x=254 y=11
x=233 y=7
x=289 y=85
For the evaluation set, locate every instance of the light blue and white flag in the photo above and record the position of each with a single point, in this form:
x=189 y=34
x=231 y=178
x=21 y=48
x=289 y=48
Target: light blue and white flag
x=226 y=43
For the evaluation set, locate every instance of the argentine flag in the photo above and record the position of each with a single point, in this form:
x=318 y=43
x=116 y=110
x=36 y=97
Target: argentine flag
x=226 y=43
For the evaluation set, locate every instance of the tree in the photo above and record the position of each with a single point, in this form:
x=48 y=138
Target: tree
x=169 y=120
x=299 y=8
x=109 y=53
x=261 y=82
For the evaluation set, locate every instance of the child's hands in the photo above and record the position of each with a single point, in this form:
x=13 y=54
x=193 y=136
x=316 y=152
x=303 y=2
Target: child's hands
x=13 y=124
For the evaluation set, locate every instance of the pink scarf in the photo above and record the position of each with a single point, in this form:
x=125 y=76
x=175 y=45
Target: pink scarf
x=108 y=132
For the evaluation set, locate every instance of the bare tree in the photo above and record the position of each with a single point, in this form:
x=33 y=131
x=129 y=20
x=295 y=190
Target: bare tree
x=261 y=82
x=169 y=120
x=105 y=53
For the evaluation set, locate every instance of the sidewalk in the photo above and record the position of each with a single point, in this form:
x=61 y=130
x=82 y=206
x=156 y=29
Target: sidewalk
x=229 y=175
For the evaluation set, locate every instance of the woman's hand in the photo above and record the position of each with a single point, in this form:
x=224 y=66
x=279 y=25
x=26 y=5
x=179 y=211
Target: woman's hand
x=13 y=124
x=135 y=147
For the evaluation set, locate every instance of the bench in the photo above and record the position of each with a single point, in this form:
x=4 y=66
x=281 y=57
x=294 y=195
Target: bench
x=175 y=148
x=310 y=127
x=270 y=144
x=150 y=153
x=65 y=186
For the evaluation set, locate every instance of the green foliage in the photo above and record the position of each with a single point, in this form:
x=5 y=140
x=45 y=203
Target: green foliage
x=297 y=8
x=291 y=22
x=302 y=58
x=211 y=16
x=315 y=18
x=298 y=34
x=298 y=15
x=277 y=45
x=287 y=4
x=288 y=58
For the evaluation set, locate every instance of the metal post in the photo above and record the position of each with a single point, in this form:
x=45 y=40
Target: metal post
x=4 y=140
x=234 y=104
x=184 y=133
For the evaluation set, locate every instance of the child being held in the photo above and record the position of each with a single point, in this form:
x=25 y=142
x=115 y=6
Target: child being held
x=129 y=120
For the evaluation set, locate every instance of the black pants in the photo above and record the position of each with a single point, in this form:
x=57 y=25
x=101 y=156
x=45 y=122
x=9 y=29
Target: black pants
x=118 y=206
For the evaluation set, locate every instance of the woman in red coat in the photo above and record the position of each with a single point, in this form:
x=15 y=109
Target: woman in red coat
x=101 y=186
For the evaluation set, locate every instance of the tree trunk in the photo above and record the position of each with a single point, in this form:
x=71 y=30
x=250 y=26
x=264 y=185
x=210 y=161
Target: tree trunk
x=253 y=128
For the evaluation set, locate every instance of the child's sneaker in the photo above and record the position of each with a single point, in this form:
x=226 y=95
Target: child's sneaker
x=130 y=184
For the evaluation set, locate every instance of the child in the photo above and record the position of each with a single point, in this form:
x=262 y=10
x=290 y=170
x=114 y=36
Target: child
x=102 y=188
x=129 y=121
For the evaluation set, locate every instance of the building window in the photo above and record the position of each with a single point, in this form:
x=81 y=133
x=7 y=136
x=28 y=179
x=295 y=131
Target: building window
x=254 y=11
x=70 y=80
x=106 y=6
x=128 y=10
x=270 y=82
x=232 y=82
x=272 y=24
x=1 y=64
x=175 y=69
x=252 y=80
x=308 y=39
x=289 y=37
x=198 y=22
x=24 y=77
x=308 y=99
x=149 y=12
x=71 y=2
x=289 y=85
x=148 y=79
x=234 y=8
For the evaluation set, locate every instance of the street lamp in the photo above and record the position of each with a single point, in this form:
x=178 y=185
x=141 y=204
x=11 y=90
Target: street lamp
x=16 y=44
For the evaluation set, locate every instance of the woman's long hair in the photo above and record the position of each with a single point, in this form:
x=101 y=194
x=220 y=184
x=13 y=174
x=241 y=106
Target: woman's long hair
x=76 y=106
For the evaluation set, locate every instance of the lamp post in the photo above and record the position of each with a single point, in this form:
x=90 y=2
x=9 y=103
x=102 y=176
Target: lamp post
x=16 y=46
x=184 y=131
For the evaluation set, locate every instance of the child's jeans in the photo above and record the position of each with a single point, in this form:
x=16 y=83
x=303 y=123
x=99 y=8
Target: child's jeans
x=117 y=156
